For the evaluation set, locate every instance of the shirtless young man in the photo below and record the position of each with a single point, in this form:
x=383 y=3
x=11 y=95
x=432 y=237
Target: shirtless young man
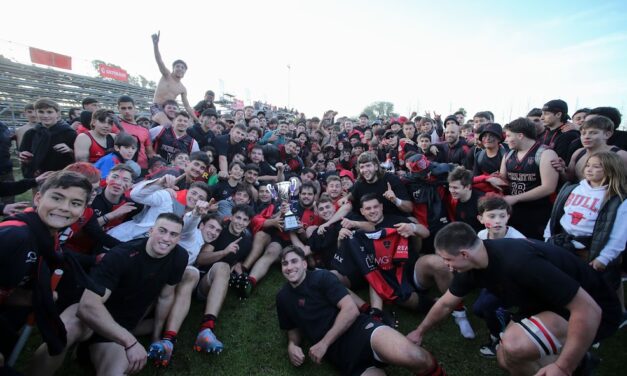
x=169 y=86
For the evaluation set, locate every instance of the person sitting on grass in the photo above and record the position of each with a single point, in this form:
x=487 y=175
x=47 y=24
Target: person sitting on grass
x=162 y=348
x=135 y=275
x=313 y=305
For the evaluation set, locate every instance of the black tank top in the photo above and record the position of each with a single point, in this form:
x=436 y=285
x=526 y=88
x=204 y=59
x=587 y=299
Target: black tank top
x=524 y=174
x=166 y=144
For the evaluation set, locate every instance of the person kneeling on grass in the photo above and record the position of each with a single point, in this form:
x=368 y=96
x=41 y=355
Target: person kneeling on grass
x=314 y=304
x=135 y=275
x=564 y=305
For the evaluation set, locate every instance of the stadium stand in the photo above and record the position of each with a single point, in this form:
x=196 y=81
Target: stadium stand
x=21 y=84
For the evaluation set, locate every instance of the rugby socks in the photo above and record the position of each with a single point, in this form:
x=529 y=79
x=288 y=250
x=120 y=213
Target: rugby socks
x=435 y=370
x=208 y=322
x=364 y=308
x=253 y=280
x=460 y=307
x=170 y=335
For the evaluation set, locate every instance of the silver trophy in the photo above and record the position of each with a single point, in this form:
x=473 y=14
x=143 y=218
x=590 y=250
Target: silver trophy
x=285 y=191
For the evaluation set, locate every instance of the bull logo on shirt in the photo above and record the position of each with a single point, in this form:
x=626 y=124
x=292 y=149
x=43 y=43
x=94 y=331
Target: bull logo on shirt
x=576 y=217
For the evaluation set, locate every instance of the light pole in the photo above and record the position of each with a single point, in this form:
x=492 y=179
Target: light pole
x=289 y=71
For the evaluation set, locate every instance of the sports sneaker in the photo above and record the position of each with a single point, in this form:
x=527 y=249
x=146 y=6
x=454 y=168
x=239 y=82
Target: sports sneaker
x=383 y=317
x=244 y=287
x=464 y=325
x=489 y=349
x=160 y=352
x=207 y=342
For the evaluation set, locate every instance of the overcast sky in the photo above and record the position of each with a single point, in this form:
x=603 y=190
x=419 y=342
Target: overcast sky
x=489 y=55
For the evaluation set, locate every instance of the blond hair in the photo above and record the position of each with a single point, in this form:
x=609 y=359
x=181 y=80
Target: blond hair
x=615 y=174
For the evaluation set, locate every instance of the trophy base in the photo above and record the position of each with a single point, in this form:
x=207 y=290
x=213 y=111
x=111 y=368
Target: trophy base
x=290 y=223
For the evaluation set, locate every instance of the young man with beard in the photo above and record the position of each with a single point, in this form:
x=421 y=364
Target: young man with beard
x=354 y=267
x=314 y=305
x=372 y=179
x=564 y=306
x=220 y=262
x=558 y=135
x=162 y=348
x=48 y=146
x=531 y=177
x=292 y=161
x=135 y=275
x=169 y=86
x=227 y=145
x=455 y=148
x=334 y=189
x=126 y=108
x=30 y=252
x=268 y=174
x=304 y=211
x=168 y=141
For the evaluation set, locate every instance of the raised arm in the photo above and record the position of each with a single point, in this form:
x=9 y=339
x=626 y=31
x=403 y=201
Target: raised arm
x=155 y=43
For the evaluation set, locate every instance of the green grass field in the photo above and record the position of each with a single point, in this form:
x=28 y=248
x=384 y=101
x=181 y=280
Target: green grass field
x=254 y=344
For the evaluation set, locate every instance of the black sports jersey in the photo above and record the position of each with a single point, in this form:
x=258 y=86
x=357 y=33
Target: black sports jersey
x=222 y=190
x=135 y=279
x=360 y=188
x=523 y=173
x=467 y=211
x=324 y=246
x=226 y=238
x=536 y=276
x=380 y=257
x=202 y=138
x=167 y=145
x=223 y=146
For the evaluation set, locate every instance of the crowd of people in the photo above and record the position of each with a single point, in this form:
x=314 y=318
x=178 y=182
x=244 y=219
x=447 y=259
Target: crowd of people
x=145 y=214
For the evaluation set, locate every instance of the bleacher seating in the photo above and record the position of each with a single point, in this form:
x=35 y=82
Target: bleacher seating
x=21 y=84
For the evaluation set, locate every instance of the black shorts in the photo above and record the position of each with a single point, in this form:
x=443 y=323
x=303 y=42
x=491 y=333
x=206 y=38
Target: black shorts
x=352 y=353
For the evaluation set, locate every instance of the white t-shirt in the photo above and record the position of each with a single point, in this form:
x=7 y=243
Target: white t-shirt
x=511 y=233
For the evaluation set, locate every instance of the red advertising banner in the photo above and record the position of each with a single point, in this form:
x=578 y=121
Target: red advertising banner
x=108 y=71
x=52 y=59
